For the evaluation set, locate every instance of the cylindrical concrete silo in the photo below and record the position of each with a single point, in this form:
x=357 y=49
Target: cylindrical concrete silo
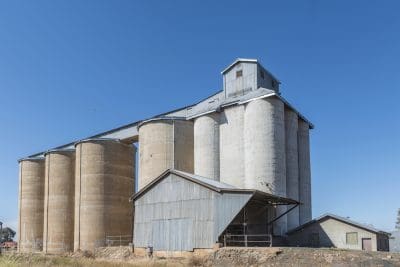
x=58 y=232
x=264 y=151
x=231 y=146
x=104 y=182
x=164 y=143
x=292 y=165
x=304 y=172
x=31 y=201
x=206 y=146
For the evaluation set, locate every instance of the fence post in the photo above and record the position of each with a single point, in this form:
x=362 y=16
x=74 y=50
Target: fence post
x=245 y=241
x=224 y=240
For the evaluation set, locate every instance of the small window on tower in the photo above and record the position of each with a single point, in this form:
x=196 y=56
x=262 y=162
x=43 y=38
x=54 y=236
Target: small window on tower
x=273 y=83
x=239 y=73
x=262 y=74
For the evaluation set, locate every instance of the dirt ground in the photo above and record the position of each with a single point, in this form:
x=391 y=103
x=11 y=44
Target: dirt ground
x=122 y=257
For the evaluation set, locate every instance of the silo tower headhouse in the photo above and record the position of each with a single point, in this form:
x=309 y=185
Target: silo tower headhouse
x=247 y=75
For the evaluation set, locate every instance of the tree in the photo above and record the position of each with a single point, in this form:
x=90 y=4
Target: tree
x=7 y=234
x=398 y=220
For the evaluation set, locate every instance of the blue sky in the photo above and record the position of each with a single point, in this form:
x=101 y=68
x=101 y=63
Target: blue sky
x=70 y=69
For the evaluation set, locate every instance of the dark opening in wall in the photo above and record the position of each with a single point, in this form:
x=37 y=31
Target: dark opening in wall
x=239 y=73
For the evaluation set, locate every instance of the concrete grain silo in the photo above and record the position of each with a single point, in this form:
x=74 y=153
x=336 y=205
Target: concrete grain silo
x=164 y=143
x=264 y=142
x=292 y=165
x=231 y=146
x=304 y=172
x=264 y=151
x=245 y=138
x=31 y=197
x=58 y=232
x=206 y=146
x=104 y=181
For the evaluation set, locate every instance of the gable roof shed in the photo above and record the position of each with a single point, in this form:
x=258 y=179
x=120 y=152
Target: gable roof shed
x=179 y=211
x=326 y=216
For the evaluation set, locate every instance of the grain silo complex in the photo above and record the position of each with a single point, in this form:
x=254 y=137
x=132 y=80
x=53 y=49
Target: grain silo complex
x=230 y=170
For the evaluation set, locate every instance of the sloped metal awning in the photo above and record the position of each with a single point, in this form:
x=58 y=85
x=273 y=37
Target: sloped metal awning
x=270 y=199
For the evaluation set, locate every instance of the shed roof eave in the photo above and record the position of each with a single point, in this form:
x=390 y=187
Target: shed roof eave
x=217 y=187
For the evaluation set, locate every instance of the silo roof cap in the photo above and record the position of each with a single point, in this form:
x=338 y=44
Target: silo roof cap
x=97 y=140
x=61 y=150
x=31 y=159
x=163 y=118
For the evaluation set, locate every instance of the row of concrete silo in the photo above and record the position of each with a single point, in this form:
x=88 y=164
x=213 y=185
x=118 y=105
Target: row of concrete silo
x=73 y=199
x=261 y=144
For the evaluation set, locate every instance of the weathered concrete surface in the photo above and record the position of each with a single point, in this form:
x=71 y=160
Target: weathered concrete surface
x=304 y=172
x=58 y=232
x=264 y=150
x=164 y=144
x=292 y=165
x=104 y=181
x=31 y=202
x=232 y=146
x=206 y=146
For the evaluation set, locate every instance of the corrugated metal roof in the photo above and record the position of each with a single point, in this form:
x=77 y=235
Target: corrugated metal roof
x=206 y=180
x=341 y=219
x=216 y=186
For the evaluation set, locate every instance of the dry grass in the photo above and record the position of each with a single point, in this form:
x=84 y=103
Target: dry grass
x=223 y=257
x=197 y=261
x=39 y=260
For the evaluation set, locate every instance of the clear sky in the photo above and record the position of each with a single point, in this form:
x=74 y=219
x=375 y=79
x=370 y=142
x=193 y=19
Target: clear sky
x=71 y=69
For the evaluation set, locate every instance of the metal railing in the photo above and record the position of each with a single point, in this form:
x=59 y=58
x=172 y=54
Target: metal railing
x=248 y=240
x=118 y=240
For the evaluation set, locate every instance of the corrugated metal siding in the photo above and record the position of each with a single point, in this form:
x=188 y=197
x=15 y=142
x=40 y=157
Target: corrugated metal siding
x=227 y=206
x=173 y=234
x=179 y=215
